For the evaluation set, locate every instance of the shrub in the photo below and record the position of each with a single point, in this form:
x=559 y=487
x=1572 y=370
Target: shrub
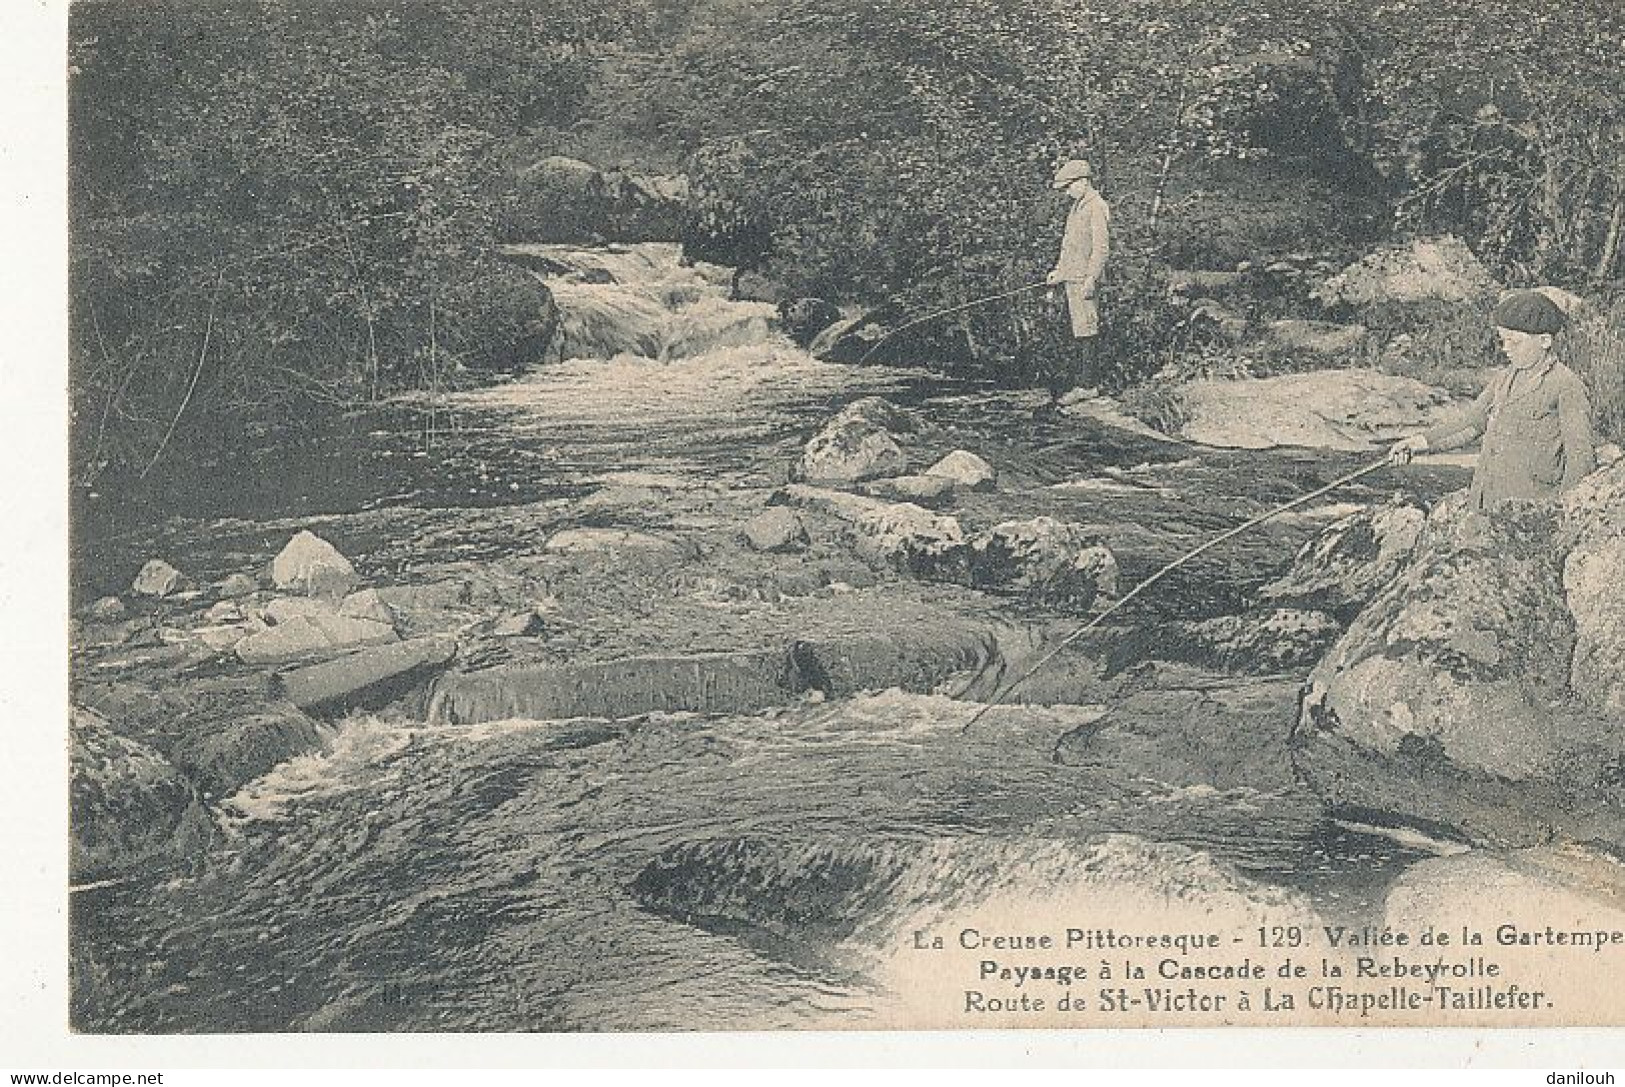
x=1594 y=348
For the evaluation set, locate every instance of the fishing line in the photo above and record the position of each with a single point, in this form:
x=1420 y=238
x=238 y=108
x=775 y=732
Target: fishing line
x=952 y=309
x=1000 y=695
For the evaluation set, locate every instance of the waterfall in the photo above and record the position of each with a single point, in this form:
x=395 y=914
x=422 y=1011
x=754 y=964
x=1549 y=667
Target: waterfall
x=642 y=300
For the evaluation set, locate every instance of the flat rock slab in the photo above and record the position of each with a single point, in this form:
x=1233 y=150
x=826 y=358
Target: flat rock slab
x=924 y=490
x=342 y=682
x=615 y=542
x=744 y=682
x=1325 y=409
x=314 y=635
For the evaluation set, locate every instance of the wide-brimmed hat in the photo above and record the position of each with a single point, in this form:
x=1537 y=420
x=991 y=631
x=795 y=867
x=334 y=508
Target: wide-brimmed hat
x=1071 y=170
x=1531 y=312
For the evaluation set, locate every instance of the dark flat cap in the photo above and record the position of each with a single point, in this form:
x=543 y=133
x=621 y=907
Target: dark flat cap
x=1529 y=311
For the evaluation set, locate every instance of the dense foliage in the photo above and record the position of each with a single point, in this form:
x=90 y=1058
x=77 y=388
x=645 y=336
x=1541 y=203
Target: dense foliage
x=279 y=202
x=283 y=202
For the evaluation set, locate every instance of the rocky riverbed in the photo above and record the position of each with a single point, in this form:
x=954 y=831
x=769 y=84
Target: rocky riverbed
x=665 y=725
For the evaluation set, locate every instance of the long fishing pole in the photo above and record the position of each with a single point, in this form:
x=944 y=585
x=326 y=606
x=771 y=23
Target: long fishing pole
x=1000 y=695
x=951 y=310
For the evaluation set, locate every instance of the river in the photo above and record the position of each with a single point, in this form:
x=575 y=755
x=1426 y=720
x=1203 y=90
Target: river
x=674 y=871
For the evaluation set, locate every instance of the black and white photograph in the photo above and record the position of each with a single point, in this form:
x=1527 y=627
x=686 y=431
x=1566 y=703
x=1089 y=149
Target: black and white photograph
x=625 y=516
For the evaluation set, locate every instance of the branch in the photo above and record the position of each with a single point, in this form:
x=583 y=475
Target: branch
x=202 y=355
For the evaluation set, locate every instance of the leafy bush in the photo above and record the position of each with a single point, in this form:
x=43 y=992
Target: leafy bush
x=1594 y=347
x=1447 y=344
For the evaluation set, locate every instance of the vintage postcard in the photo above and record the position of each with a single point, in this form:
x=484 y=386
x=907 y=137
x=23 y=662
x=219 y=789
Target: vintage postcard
x=702 y=515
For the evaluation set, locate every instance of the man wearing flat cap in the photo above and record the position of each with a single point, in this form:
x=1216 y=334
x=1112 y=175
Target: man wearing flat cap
x=1084 y=248
x=1534 y=416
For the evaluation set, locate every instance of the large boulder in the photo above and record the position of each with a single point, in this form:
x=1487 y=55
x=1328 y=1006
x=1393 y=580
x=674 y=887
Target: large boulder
x=1424 y=269
x=1347 y=564
x=131 y=808
x=1517 y=898
x=309 y=564
x=1327 y=409
x=1268 y=642
x=1459 y=696
x=1054 y=561
x=237 y=749
x=857 y=444
x=501 y=319
x=1593 y=536
x=888 y=336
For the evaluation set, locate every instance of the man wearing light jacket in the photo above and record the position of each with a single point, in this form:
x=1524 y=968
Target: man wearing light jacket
x=1534 y=416
x=1084 y=249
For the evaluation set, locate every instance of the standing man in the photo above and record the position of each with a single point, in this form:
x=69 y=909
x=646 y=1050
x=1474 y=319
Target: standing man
x=1084 y=248
x=1534 y=415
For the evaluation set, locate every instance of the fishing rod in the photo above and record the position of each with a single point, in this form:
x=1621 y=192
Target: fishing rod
x=952 y=309
x=1000 y=695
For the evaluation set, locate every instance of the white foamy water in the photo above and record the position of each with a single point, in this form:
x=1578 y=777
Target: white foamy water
x=583 y=874
x=663 y=371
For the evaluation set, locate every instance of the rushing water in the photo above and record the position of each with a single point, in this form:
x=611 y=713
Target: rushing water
x=670 y=871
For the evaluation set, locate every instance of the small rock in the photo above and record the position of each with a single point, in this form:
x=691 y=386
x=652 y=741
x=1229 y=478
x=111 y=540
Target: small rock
x=967 y=470
x=516 y=624
x=157 y=578
x=311 y=565
x=124 y=632
x=222 y=638
x=753 y=286
x=804 y=318
x=775 y=529
x=223 y=612
x=848 y=450
x=367 y=604
x=224 y=758
x=238 y=585
x=925 y=490
x=618 y=497
x=900 y=535
x=108 y=609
